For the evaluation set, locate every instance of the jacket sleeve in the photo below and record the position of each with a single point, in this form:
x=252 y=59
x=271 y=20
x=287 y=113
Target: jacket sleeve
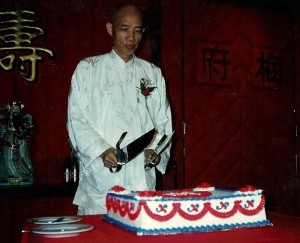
x=83 y=135
x=161 y=115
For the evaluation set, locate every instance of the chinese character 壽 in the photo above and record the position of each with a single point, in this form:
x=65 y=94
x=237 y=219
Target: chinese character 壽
x=16 y=33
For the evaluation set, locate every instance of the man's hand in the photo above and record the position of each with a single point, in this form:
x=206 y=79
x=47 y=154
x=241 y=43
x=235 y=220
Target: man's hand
x=109 y=158
x=150 y=155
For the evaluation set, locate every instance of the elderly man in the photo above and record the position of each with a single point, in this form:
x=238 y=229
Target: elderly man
x=110 y=94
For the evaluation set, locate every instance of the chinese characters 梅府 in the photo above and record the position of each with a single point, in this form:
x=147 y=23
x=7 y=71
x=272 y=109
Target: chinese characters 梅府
x=215 y=66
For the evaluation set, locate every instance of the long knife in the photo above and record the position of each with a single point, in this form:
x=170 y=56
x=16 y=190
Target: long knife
x=132 y=150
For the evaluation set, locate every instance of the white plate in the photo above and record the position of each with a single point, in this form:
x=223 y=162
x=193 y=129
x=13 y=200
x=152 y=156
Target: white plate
x=62 y=230
x=55 y=220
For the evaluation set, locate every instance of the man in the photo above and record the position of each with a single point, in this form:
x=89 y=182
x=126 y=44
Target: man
x=110 y=94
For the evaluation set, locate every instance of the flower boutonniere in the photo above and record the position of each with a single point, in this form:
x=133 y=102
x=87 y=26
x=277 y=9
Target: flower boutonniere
x=145 y=87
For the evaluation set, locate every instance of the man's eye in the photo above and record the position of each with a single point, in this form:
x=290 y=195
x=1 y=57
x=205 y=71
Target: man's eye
x=124 y=28
x=138 y=30
x=135 y=30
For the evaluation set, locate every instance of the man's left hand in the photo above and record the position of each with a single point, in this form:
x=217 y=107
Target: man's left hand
x=150 y=155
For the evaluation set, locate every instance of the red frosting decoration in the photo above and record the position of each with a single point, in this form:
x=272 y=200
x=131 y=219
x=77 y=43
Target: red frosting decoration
x=205 y=185
x=248 y=188
x=116 y=205
x=118 y=189
x=149 y=193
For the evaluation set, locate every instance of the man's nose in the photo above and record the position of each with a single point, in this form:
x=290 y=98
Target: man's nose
x=131 y=35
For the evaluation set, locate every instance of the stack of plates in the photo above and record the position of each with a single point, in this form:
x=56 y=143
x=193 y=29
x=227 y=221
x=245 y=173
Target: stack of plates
x=61 y=226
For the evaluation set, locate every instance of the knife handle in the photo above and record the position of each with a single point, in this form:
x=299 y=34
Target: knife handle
x=117 y=169
x=121 y=158
x=149 y=166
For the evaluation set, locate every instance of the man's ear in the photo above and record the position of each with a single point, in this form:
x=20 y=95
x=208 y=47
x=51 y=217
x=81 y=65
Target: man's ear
x=109 y=28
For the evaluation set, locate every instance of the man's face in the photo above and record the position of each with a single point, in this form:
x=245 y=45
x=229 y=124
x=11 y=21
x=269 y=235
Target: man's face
x=127 y=32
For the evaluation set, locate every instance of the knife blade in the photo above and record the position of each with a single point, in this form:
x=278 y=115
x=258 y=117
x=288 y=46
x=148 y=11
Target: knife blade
x=133 y=149
x=137 y=146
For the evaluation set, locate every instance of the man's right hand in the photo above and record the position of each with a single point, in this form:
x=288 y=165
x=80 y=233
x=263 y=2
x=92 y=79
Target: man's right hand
x=109 y=158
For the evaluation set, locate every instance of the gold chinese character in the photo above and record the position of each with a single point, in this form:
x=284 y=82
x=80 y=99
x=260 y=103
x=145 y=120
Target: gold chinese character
x=17 y=32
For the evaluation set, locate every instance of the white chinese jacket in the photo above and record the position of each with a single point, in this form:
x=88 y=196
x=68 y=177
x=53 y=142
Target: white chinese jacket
x=105 y=100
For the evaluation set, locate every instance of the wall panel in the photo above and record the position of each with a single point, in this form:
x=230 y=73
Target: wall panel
x=239 y=116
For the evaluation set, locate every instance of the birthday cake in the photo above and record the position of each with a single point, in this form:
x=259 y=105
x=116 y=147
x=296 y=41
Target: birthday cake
x=201 y=209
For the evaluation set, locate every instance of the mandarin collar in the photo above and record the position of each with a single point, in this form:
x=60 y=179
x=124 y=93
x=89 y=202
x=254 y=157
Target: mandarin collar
x=119 y=61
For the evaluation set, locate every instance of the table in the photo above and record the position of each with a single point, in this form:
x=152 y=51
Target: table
x=285 y=229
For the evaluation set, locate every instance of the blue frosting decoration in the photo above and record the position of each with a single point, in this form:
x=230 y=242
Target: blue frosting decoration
x=165 y=231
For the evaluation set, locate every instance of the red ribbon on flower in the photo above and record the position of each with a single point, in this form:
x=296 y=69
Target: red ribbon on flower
x=145 y=88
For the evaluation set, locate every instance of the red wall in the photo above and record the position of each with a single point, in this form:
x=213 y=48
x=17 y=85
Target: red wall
x=297 y=100
x=240 y=129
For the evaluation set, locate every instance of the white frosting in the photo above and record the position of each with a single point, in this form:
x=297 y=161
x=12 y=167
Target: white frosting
x=248 y=192
x=157 y=215
x=201 y=189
